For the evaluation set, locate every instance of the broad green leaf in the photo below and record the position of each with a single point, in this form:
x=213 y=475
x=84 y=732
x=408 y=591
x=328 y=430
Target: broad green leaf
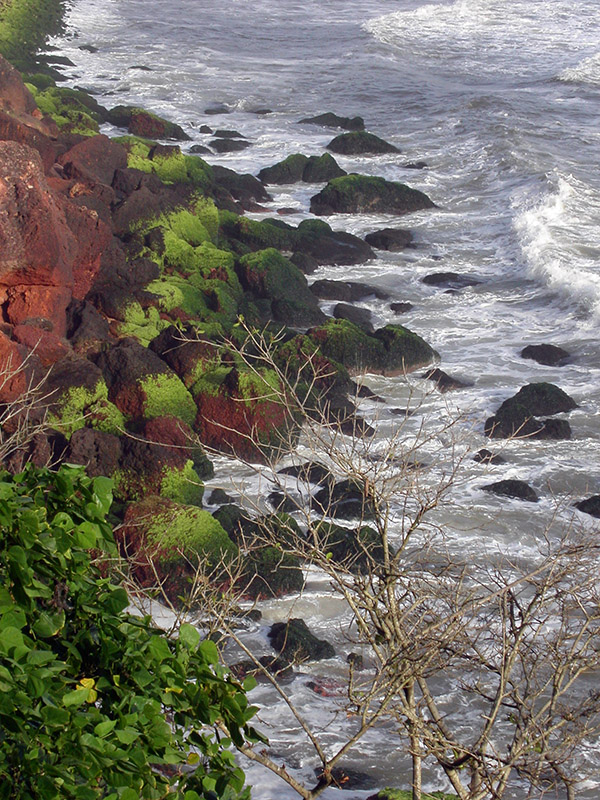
x=189 y=636
x=104 y=728
x=209 y=650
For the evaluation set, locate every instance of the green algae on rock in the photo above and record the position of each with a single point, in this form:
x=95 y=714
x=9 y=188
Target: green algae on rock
x=367 y=194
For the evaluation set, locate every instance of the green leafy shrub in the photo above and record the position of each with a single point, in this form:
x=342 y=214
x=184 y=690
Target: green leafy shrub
x=96 y=703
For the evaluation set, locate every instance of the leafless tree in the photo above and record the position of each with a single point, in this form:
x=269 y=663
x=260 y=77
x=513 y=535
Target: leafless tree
x=514 y=640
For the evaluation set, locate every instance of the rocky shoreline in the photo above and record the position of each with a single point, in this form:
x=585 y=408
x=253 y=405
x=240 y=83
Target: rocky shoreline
x=126 y=268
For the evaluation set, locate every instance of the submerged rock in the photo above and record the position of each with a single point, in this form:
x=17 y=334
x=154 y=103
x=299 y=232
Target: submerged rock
x=518 y=490
x=330 y=120
x=355 y=314
x=449 y=280
x=517 y=415
x=366 y=194
x=229 y=145
x=390 y=239
x=590 y=506
x=360 y=143
x=347 y=291
x=548 y=354
x=443 y=381
x=297 y=167
x=293 y=641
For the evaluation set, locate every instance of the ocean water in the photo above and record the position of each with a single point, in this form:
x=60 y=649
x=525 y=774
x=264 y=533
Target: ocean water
x=501 y=99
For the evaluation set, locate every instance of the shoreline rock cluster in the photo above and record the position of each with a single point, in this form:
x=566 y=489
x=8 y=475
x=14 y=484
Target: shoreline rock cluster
x=125 y=269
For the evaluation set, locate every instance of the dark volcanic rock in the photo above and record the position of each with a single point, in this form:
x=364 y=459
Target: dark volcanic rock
x=516 y=489
x=443 y=381
x=97 y=451
x=330 y=120
x=309 y=472
x=359 y=316
x=548 y=354
x=225 y=134
x=242 y=186
x=96 y=158
x=287 y=171
x=142 y=123
x=347 y=291
x=365 y=194
x=293 y=641
x=229 y=145
x=200 y=149
x=319 y=169
x=219 y=497
x=308 y=264
x=401 y=308
x=297 y=167
x=316 y=238
x=487 y=457
x=360 y=143
x=517 y=415
x=449 y=280
x=391 y=239
x=346 y=499
x=391 y=350
x=590 y=506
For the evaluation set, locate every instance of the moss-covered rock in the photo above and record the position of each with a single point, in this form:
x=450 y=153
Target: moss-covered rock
x=168 y=163
x=331 y=120
x=355 y=548
x=78 y=397
x=267 y=274
x=69 y=108
x=241 y=411
x=271 y=572
x=169 y=542
x=366 y=194
x=389 y=351
x=142 y=386
x=246 y=235
x=140 y=122
x=294 y=642
x=517 y=415
x=287 y=171
x=360 y=143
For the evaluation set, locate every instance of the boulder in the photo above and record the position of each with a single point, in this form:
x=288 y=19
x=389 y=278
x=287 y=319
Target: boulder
x=15 y=97
x=48 y=347
x=167 y=543
x=184 y=351
x=548 y=354
x=241 y=413
x=268 y=275
x=245 y=188
x=487 y=457
x=444 y=382
x=140 y=122
x=347 y=291
x=355 y=549
x=271 y=572
x=293 y=642
x=317 y=239
x=360 y=143
x=159 y=459
x=297 y=167
x=222 y=133
x=449 y=280
x=320 y=169
x=37 y=246
x=517 y=415
x=308 y=472
x=366 y=194
x=401 y=308
x=392 y=350
x=13 y=378
x=358 y=316
x=590 y=505
x=93 y=160
x=229 y=145
x=97 y=451
x=141 y=385
x=390 y=239
x=347 y=499
x=219 y=497
x=330 y=120
x=518 y=490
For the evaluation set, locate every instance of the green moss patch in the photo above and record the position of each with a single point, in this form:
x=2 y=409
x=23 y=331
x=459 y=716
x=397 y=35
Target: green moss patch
x=79 y=407
x=143 y=324
x=174 y=167
x=67 y=108
x=166 y=395
x=187 y=530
